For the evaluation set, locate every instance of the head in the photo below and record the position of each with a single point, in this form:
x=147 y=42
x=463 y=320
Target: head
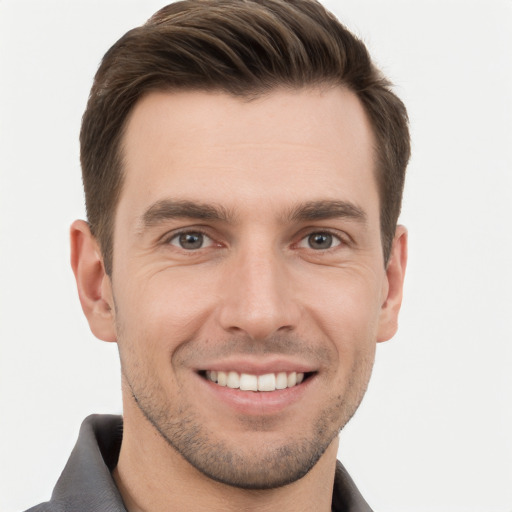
x=243 y=165
x=245 y=49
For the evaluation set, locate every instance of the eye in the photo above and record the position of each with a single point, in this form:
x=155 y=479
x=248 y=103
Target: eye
x=319 y=241
x=191 y=240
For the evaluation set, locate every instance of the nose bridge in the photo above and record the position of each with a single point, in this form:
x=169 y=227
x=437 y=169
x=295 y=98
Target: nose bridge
x=257 y=298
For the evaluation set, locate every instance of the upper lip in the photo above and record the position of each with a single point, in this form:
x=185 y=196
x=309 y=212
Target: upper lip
x=259 y=366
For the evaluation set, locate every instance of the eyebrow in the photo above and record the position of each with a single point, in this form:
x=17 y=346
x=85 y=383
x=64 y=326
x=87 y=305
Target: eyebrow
x=168 y=209
x=327 y=209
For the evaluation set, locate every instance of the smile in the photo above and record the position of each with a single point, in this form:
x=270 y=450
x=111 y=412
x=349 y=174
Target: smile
x=250 y=382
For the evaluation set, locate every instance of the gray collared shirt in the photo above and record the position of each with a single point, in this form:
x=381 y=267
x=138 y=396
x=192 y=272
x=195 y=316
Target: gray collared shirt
x=86 y=484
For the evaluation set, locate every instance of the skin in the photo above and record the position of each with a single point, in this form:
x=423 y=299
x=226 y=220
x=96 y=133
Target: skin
x=259 y=293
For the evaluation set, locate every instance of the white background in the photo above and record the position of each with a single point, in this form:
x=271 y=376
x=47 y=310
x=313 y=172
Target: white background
x=434 y=433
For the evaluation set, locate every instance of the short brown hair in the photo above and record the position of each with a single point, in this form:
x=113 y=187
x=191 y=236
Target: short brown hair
x=244 y=48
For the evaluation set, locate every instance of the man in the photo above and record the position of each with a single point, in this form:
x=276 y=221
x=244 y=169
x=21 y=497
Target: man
x=243 y=165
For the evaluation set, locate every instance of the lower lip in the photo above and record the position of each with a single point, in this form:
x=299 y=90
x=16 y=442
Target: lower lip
x=257 y=403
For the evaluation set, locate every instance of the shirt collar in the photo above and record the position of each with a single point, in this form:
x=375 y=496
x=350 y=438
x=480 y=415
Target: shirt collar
x=87 y=484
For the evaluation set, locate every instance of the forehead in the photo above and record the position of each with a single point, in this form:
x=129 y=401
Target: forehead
x=282 y=148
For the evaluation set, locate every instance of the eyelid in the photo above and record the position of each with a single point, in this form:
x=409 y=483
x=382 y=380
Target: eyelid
x=342 y=238
x=172 y=235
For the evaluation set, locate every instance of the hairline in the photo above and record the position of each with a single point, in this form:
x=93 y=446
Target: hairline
x=249 y=95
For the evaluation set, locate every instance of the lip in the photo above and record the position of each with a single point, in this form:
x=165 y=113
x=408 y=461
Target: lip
x=256 y=367
x=257 y=403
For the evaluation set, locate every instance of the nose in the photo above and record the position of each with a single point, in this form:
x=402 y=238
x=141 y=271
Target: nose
x=257 y=295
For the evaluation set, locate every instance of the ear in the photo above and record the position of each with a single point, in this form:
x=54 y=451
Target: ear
x=94 y=285
x=392 y=296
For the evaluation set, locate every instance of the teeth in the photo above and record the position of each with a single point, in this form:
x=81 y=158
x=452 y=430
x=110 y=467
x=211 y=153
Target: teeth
x=222 y=378
x=233 y=380
x=281 y=381
x=267 y=382
x=248 y=382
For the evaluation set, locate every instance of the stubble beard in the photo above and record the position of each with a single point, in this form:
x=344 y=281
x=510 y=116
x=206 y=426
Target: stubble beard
x=259 y=467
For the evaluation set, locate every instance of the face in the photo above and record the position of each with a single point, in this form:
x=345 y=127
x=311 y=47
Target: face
x=248 y=285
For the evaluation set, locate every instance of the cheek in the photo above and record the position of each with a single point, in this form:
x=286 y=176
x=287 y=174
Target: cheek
x=347 y=308
x=159 y=312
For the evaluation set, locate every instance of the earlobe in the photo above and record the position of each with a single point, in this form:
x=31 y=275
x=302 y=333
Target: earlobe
x=93 y=284
x=395 y=273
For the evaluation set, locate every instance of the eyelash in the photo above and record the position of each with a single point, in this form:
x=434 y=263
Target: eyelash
x=168 y=239
x=342 y=240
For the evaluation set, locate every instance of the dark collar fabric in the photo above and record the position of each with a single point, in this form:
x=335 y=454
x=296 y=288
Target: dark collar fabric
x=86 y=484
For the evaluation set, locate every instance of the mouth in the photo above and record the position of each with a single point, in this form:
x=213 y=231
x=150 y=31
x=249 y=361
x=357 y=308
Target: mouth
x=257 y=383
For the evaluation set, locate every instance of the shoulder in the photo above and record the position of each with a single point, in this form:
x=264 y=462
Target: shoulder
x=46 y=507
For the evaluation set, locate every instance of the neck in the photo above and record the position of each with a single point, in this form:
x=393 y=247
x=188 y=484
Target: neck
x=152 y=476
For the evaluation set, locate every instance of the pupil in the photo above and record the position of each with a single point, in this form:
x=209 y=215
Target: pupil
x=320 y=241
x=191 y=240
